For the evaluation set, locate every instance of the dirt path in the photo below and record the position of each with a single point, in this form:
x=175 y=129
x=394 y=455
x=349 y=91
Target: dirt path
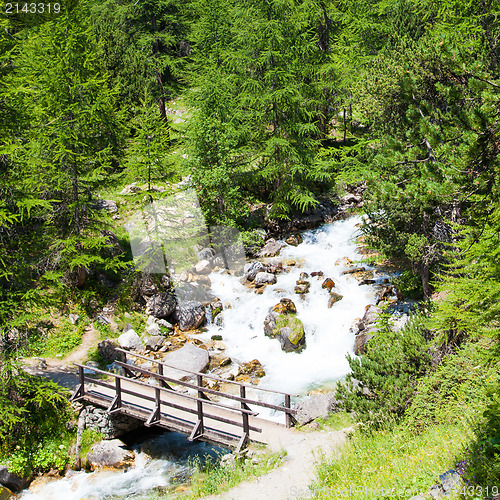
x=62 y=370
x=292 y=479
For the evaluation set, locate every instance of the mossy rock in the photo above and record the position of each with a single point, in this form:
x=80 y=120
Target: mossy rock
x=291 y=332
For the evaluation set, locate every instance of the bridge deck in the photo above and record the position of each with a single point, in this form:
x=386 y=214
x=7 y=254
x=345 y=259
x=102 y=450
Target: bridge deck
x=231 y=423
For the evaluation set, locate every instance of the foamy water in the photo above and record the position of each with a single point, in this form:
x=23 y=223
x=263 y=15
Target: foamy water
x=328 y=335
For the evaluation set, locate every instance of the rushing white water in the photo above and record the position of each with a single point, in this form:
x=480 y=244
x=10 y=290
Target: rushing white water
x=328 y=335
x=167 y=462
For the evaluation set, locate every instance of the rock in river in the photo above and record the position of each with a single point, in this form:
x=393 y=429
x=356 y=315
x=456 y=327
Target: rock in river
x=190 y=315
x=111 y=453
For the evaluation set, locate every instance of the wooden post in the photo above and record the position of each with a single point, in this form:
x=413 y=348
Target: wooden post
x=79 y=432
x=160 y=373
x=288 y=416
x=198 y=428
x=246 y=426
x=117 y=400
x=155 y=416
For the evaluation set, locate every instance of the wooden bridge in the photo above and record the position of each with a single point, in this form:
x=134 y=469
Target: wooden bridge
x=197 y=416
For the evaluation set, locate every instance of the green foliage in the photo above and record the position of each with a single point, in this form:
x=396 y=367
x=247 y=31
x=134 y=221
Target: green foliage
x=388 y=373
x=482 y=463
x=373 y=465
x=32 y=409
x=409 y=284
x=456 y=390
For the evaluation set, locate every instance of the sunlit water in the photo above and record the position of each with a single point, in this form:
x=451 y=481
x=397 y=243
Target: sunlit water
x=168 y=460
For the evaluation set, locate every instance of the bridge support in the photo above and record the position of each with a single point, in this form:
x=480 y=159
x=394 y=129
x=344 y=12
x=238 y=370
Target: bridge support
x=155 y=416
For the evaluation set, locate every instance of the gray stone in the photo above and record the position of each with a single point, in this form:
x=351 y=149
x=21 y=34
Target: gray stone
x=12 y=481
x=130 y=340
x=263 y=278
x=161 y=305
x=436 y=491
x=153 y=329
x=190 y=315
x=250 y=270
x=291 y=342
x=113 y=453
x=155 y=342
x=189 y=357
x=270 y=249
x=312 y=407
x=74 y=318
x=203 y=267
x=450 y=481
x=165 y=324
x=108 y=205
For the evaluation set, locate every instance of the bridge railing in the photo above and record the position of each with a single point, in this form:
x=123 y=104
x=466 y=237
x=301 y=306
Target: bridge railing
x=243 y=399
x=118 y=404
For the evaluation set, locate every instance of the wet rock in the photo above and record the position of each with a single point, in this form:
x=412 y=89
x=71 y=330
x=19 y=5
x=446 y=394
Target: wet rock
x=313 y=407
x=303 y=276
x=328 y=284
x=367 y=281
x=161 y=305
x=190 y=315
x=12 y=481
x=318 y=274
x=371 y=315
x=189 y=357
x=130 y=340
x=253 y=367
x=274 y=266
x=252 y=269
x=302 y=287
x=113 y=453
x=270 y=249
x=334 y=298
x=294 y=240
x=355 y=270
x=285 y=306
x=361 y=339
x=225 y=362
x=263 y=278
x=292 y=340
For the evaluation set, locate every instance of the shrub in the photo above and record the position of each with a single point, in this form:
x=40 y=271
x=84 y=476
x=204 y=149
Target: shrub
x=383 y=381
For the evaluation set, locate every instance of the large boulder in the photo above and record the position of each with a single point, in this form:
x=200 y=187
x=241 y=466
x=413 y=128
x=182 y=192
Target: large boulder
x=130 y=340
x=107 y=351
x=264 y=278
x=189 y=357
x=313 y=407
x=370 y=317
x=12 y=481
x=190 y=315
x=281 y=323
x=293 y=339
x=252 y=269
x=361 y=339
x=203 y=267
x=113 y=453
x=161 y=305
x=270 y=249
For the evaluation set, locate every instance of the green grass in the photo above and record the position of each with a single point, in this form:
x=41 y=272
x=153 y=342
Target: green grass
x=60 y=340
x=336 y=421
x=213 y=479
x=396 y=459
